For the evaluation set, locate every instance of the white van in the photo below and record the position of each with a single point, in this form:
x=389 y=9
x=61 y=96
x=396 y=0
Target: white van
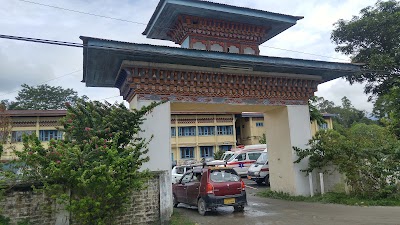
x=244 y=157
x=259 y=171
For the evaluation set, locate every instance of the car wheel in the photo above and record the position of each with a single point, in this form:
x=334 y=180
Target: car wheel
x=175 y=201
x=201 y=207
x=259 y=182
x=239 y=208
x=267 y=180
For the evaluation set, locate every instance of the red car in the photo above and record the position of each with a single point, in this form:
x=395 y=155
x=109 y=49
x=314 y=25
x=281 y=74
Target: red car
x=209 y=188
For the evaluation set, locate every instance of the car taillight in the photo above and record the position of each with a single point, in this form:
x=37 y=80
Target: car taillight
x=243 y=186
x=210 y=189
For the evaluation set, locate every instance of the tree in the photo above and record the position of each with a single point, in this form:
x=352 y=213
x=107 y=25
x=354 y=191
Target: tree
x=262 y=139
x=315 y=114
x=218 y=154
x=368 y=155
x=387 y=109
x=345 y=115
x=5 y=127
x=98 y=160
x=373 y=38
x=43 y=97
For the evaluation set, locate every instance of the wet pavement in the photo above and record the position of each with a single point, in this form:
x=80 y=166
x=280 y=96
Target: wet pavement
x=262 y=211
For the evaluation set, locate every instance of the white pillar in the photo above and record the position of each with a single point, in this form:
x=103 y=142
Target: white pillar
x=288 y=126
x=158 y=124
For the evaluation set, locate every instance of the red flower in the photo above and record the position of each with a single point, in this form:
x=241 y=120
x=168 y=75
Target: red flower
x=58 y=162
x=87 y=129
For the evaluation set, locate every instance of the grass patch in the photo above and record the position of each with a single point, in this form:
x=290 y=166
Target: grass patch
x=179 y=219
x=332 y=197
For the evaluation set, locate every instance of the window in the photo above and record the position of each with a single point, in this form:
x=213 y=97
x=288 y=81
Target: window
x=16 y=136
x=225 y=147
x=173 y=131
x=206 y=151
x=206 y=131
x=199 y=45
x=225 y=130
x=233 y=49
x=187 y=131
x=186 y=178
x=254 y=156
x=323 y=126
x=223 y=175
x=187 y=152
x=249 y=51
x=259 y=124
x=47 y=135
x=241 y=157
x=217 y=48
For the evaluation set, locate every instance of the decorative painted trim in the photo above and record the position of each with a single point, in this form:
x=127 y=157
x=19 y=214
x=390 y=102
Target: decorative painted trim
x=211 y=27
x=152 y=83
x=24 y=124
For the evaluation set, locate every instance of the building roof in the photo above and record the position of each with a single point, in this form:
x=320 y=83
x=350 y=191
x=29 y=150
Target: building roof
x=167 y=11
x=30 y=113
x=102 y=60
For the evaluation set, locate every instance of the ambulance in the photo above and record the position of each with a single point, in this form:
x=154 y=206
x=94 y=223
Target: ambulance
x=259 y=171
x=244 y=157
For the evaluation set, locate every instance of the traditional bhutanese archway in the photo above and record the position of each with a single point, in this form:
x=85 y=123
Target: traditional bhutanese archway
x=217 y=69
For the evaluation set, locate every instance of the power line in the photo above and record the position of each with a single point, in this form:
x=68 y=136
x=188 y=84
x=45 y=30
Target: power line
x=166 y=28
x=64 y=75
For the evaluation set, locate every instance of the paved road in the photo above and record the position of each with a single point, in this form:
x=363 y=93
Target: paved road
x=266 y=211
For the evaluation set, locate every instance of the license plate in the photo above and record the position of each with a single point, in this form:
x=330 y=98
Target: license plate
x=229 y=201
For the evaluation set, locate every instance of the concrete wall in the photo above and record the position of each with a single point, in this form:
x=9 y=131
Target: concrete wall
x=158 y=126
x=23 y=203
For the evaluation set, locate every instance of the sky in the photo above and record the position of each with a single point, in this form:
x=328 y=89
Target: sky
x=33 y=63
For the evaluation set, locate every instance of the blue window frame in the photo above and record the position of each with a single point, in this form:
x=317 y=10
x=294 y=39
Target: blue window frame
x=47 y=135
x=225 y=130
x=206 y=151
x=187 y=131
x=225 y=147
x=259 y=124
x=187 y=152
x=323 y=126
x=206 y=131
x=16 y=136
x=173 y=131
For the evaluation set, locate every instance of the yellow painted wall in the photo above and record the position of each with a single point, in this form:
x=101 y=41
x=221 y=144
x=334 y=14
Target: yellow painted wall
x=196 y=141
x=33 y=123
x=315 y=127
x=250 y=133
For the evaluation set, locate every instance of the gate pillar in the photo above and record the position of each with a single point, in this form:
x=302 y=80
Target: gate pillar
x=288 y=126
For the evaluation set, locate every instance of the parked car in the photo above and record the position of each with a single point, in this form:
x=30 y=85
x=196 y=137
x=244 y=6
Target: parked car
x=210 y=187
x=259 y=171
x=178 y=171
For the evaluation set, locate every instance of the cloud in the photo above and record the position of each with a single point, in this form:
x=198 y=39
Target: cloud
x=32 y=63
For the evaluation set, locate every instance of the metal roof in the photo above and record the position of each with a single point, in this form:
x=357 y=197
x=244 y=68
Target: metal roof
x=30 y=113
x=167 y=11
x=103 y=58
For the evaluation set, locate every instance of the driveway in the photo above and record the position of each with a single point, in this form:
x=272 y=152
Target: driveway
x=264 y=211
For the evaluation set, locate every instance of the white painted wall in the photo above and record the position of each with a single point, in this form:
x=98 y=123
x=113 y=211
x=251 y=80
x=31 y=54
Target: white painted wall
x=288 y=126
x=158 y=123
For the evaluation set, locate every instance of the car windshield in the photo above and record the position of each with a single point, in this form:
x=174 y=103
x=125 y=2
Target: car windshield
x=227 y=156
x=220 y=176
x=232 y=157
x=262 y=159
